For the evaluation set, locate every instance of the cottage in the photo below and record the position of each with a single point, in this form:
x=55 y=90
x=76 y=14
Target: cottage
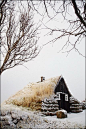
x=47 y=96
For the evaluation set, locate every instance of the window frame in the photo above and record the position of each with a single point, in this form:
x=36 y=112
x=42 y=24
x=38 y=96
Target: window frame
x=66 y=97
x=58 y=96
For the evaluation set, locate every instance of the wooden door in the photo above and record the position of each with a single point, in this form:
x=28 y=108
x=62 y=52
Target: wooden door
x=63 y=101
x=64 y=104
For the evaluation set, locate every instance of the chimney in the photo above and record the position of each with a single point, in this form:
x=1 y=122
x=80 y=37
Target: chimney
x=42 y=79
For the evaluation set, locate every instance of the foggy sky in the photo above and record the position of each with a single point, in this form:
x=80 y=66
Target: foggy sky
x=49 y=63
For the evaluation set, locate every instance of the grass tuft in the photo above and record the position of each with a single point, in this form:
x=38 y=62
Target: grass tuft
x=33 y=94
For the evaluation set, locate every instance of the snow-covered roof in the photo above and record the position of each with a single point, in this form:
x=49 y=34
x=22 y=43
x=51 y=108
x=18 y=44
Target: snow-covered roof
x=66 y=87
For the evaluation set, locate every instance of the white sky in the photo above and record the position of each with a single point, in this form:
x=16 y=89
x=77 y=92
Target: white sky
x=49 y=63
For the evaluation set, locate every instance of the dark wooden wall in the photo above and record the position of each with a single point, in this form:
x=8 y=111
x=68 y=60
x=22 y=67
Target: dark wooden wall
x=61 y=87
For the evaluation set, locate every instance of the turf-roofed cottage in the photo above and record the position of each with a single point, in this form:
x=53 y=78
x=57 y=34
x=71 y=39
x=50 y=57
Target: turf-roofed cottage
x=47 y=96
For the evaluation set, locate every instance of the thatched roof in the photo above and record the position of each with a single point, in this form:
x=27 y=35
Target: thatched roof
x=34 y=92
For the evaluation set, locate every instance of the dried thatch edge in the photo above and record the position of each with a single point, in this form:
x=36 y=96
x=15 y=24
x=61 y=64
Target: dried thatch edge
x=20 y=95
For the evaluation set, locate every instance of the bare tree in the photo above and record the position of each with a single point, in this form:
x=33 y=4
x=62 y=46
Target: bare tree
x=18 y=36
x=18 y=39
x=76 y=24
x=2 y=5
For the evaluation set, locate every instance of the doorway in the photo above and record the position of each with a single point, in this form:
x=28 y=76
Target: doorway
x=63 y=104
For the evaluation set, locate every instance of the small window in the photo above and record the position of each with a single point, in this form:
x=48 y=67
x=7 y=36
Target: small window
x=66 y=97
x=58 y=96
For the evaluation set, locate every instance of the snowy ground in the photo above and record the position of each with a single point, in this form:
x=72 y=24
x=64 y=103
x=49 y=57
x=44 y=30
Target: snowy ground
x=73 y=119
x=35 y=119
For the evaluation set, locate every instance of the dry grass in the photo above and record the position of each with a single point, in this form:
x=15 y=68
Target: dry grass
x=33 y=94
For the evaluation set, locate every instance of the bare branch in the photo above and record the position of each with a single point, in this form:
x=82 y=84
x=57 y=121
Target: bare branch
x=19 y=40
x=77 y=11
x=77 y=26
